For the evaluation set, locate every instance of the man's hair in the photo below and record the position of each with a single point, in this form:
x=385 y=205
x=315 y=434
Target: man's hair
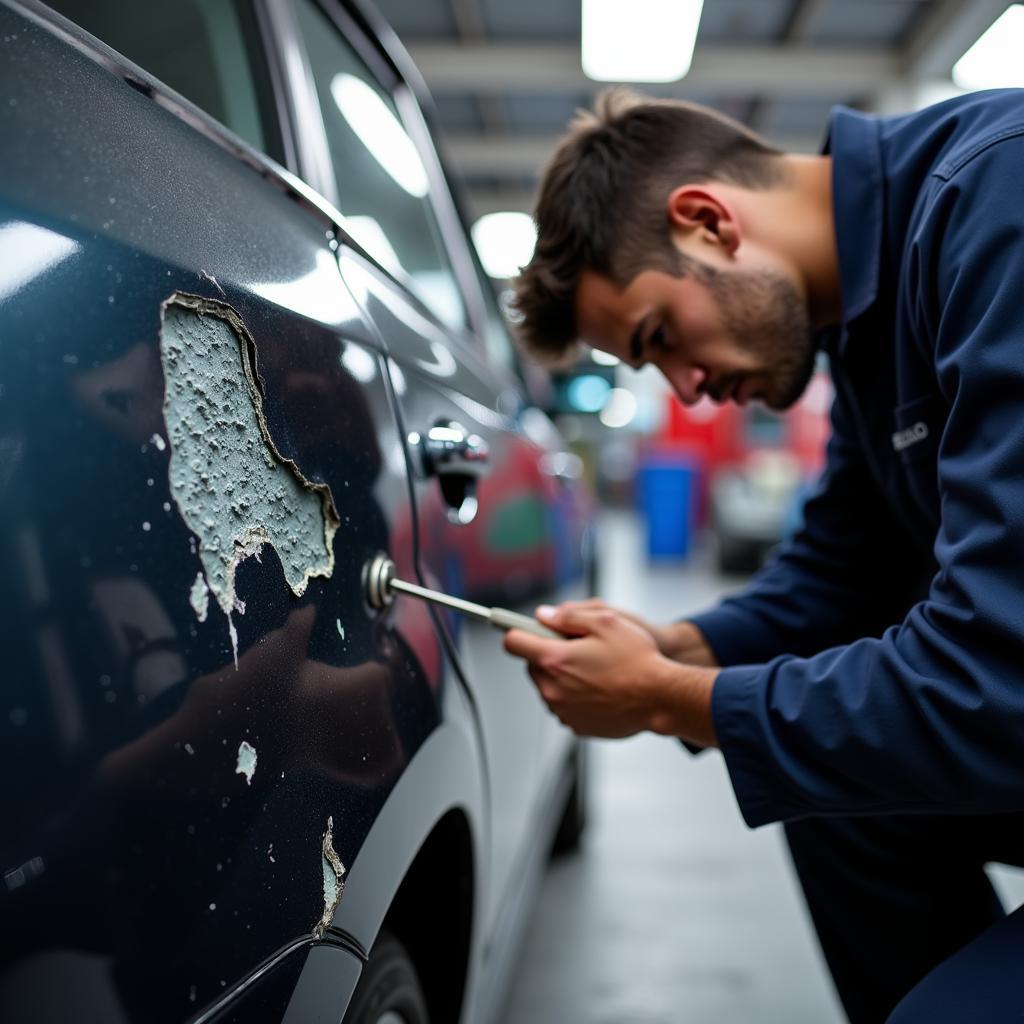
x=603 y=195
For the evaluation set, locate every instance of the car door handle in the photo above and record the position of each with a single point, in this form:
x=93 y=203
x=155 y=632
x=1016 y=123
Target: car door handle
x=458 y=459
x=448 y=449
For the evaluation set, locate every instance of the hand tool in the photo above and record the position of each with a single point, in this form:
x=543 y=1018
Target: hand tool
x=381 y=585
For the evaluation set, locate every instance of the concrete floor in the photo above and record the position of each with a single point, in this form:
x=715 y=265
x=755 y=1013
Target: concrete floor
x=674 y=912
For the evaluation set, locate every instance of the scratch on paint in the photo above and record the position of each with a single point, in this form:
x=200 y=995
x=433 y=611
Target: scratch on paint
x=334 y=881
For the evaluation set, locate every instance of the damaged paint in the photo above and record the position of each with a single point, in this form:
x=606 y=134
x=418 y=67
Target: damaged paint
x=233 y=487
x=334 y=880
x=246 y=764
x=199 y=597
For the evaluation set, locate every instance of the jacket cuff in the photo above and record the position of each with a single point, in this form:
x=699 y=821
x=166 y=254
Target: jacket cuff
x=735 y=638
x=736 y=703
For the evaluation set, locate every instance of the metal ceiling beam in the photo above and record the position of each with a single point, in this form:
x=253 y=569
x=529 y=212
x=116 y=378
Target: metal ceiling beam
x=489 y=200
x=804 y=15
x=516 y=156
x=945 y=33
x=499 y=68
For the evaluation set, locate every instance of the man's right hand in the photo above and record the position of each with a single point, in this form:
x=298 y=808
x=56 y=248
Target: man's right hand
x=680 y=641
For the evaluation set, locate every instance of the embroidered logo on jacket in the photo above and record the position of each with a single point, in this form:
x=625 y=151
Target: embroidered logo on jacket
x=912 y=435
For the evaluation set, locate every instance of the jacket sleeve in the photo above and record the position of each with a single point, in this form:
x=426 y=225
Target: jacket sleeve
x=929 y=717
x=822 y=588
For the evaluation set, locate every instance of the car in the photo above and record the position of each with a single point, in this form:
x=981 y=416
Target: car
x=246 y=350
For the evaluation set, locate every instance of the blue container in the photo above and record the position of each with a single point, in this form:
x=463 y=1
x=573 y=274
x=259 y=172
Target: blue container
x=667 y=491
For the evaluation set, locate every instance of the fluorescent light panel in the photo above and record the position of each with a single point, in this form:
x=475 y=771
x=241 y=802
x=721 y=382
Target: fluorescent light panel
x=995 y=60
x=639 y=41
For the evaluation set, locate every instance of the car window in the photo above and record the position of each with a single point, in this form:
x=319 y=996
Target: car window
x=382 y=183
x=206 y=50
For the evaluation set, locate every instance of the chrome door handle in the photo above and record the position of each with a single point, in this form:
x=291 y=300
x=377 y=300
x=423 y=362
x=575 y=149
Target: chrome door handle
x=458 y=459
x=448 y=448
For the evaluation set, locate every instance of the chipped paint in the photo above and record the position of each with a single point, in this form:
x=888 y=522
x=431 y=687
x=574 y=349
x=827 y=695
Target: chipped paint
x=199 y=597
x=334 y=880
x=246 y=764
x=216 y=284
x=233 y=487
x=158 y=442
x=341 y=628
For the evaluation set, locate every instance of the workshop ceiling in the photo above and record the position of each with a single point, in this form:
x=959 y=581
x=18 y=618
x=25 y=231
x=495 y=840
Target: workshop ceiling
x=506 y=77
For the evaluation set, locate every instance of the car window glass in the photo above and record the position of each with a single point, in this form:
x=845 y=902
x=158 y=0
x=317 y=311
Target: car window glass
x=206 y=50
x=382 y=183
x=500 y=348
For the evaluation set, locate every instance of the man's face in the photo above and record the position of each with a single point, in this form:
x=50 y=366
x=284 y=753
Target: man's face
x=738 y=334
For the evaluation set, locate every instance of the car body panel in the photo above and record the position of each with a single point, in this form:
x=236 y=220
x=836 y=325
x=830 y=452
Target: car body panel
x=193 y=749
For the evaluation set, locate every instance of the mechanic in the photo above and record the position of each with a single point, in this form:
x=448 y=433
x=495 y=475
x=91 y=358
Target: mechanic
x=867 y=687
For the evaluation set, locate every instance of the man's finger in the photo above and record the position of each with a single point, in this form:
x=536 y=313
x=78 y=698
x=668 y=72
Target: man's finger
x=535 y=649
x=574 y=619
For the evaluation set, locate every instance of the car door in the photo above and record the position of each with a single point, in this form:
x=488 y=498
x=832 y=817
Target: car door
x=497 y=524
x=201 y=719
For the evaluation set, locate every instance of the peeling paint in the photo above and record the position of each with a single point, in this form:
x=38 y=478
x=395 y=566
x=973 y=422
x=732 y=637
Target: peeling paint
x=234 y=489
x=334 y=880
x=199 y=597
x=246 y=761
x=216 y=284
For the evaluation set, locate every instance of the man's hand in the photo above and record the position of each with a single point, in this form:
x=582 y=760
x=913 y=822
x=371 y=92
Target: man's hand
x=680 y=641
x=609 y=678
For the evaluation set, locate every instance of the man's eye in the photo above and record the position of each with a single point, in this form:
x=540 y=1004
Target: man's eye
x=657 y=339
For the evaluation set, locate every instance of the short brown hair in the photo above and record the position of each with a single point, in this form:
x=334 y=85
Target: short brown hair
x=601 y=204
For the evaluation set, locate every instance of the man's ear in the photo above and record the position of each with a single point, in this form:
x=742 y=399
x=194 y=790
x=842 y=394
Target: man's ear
x=696 y=212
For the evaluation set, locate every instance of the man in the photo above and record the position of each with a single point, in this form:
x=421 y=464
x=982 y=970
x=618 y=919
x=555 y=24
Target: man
x=867 y=688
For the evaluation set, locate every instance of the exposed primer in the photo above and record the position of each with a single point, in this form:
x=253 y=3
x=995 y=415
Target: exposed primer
x=199 y=596
x=246 y=764
x=234 y=489
x=334 y=880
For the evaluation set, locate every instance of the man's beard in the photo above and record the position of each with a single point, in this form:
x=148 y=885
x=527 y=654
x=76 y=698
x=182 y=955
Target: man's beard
x=766 y=316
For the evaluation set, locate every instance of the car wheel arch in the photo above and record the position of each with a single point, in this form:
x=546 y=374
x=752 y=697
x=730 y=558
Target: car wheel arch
x=423 y=852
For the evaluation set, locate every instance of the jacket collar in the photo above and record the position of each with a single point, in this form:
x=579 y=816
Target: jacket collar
x=857 y=205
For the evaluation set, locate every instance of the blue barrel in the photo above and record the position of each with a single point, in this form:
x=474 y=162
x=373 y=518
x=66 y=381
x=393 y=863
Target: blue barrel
x=668 y=486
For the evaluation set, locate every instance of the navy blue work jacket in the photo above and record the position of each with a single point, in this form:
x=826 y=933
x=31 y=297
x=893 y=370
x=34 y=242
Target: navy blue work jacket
x=879 y=660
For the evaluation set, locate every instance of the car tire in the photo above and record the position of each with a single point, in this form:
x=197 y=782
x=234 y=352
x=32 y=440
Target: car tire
x=569 y=834
x=389 y=991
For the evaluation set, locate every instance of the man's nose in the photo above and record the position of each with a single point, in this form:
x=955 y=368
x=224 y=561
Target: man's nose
x=687 y=382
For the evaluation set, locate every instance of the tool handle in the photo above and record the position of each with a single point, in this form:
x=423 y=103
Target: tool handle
x=505 y=619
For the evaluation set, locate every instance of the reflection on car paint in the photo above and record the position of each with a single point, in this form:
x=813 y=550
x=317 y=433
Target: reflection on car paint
x=29 y=251
x=319 y=294
x=232 y=486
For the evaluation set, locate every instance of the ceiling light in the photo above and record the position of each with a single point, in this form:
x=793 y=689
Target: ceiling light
x=993 y=62
x=642 y=41
x=377 y=128
x=505 y=242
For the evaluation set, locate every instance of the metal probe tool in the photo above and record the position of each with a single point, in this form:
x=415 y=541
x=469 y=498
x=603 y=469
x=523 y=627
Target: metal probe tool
x=381 y=586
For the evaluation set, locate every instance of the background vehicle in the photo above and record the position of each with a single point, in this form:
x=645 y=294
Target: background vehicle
x=235 y=298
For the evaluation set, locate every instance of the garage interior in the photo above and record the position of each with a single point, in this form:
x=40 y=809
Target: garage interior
x=673 y=910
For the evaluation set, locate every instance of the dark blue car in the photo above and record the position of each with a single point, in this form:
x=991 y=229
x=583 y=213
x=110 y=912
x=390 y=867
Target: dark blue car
x=244 y=349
